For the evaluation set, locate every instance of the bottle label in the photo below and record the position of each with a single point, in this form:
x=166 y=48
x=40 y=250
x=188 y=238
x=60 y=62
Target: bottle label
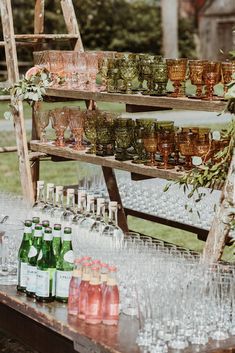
x=93 y=309
x=111 y=282
x=47 y=236
x=113 y=309
x=69 y=256
x=22 y=273
x=52 y=272
x=27 y=230
x=40 y=255
x=56 y=233
x=32 y=277
x=32 y=251
x=43 y=283
x=37 y=233
x=62 y=283
x=67 y=237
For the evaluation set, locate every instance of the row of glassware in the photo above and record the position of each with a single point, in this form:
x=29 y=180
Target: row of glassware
x=137 y=140
x=118 y=72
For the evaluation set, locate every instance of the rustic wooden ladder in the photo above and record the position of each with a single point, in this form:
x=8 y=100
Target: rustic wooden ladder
x=28 y=175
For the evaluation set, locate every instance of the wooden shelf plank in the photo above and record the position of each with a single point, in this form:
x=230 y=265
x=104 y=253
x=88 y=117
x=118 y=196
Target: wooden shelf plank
x=128 y=166
x=46 y=36
x=138 y=99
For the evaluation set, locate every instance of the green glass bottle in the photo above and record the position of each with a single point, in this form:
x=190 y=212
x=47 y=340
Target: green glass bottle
x=45 y=224
x=56 y=241
x=46 y=268
x=64 y=267
x=32 y=261
x=35 y=220
x=23 y=257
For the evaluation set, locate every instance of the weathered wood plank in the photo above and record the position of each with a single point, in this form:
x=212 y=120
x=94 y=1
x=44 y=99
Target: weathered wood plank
x=138 y=99
x=71 y=22
x=47 y=36
x=7 y=149
x=110 y=162
x=39 y=16
x=111 y=183
x=220 y=227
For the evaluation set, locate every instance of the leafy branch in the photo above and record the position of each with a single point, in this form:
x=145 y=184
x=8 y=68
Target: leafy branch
x=30 y=88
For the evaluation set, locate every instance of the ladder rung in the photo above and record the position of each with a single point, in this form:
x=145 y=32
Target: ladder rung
x=5 y=98
x=46 y=36
x=36 y=155
x=8 y=149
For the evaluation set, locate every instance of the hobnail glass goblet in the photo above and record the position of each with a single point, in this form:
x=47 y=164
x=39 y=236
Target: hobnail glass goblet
x=177 y=74
x=196 y=70
x=128 y=71
x=76 y=125
x=160 y=78
x=56 y=66
x=212 y=76
x=59 y=122
x=228 y=70
x=151 y=145
x=166 y=144
x=187 y=141
x=90 y=122
x=43 y=119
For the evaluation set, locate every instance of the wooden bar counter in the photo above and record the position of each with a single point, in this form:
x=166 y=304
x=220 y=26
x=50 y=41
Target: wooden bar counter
x=48 y=329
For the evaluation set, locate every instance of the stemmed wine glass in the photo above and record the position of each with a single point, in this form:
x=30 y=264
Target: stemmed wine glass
x=56 y=65
x=90 y=122
x=228 y=70
x=166 y=145
x=187 y=141
x=150 y=144
x=196 y=70
x=128 y=71
x=212 y=76
x=59 y=122
x=43 y=119
x=177 y=73
x=76 y=125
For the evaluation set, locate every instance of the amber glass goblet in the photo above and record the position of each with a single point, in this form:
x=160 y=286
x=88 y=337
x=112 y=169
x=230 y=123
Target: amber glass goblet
x=76 y=125
x=177 y=74
x=150 y=145
x=196 y=70
x=56 y=65
x=160 y=78
x=228 y=70
x=43 y=119
x=82 y=71
x=59 y=122
x=90 y=122
x=92 y=70
x=212 y=76
x=187 y=141
x=166 y=145
x=204 y=147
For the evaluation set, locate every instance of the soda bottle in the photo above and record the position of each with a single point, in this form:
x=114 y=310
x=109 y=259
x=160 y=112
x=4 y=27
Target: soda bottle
x=56 y=240
x=32 y=261
x=74 y=288
x=110 y=303
x=46 y=268
x=82 y=302
x=64 y=267
x=35 y=220
x=93 y=314
x=23 y=257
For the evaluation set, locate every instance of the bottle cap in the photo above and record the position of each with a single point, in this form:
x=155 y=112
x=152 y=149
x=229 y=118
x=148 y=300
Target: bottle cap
x=70 y=191
x=50 y=186
x=96 y=262
x=40 y=183
x=48 y=230
x=38 y=227
x=57 y=226
x=78 y=261
x=59 y=188
x=36 y=220
x=85 y=258
x=112 y=269
x=104 y=265
x=45 y=223
x=67 y=230
x=95 y=268
x=28 y=223
x=90 y=198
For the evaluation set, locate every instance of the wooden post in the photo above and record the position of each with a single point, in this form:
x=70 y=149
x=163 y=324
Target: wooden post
x=220 y=227
x=169 y=10
x=71 y=22
x=39 y=16
x=114 y=195
x=13 y=75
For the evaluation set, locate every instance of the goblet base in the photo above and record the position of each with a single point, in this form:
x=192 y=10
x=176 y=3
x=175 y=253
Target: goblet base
x=79 y=148
x=91 y=151
x=151 y=164
x=212 y=98
x=165 y=166
x=139 y=161
x=176 y=95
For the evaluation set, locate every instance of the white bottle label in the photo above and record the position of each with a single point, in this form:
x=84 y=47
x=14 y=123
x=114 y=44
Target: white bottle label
x=62 y=283
x=23 y=268
x=27 y=230
x=32 y=277
x=69 y=256
x=56 y=233
x=43 y=283
x=32 y=251
x=113 y=309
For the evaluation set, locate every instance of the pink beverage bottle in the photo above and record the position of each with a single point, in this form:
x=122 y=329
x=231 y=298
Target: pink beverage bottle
x=74 y=288
x=94 y=298
x=111 y=299
x=82 y=302
x=85 y=258
x=104 y=270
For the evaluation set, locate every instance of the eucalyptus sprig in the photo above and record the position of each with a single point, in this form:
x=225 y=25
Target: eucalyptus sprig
x=212 y=174
x=30 y=88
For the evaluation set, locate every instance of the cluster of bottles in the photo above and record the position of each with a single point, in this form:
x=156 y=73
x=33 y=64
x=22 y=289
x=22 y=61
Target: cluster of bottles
x=89 y=214
x=93 y=292
x=45 y=261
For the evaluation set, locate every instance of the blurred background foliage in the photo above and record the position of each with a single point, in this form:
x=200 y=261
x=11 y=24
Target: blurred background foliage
x=121 y=25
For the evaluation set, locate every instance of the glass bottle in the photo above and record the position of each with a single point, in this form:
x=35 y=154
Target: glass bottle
x=49 y=199
x=58 y=209
x=45 y=224
x=89 y=217
x=99 y=224
x=111 y=230
x=93 y=313
x=64 y=267
x=69 y=212
x=86 y=275
x=35 y=220
x=74 y=288
x=81 y=207
x=23 y=257
x=32 y=261
x=40 y=200
x=104 y=270
x=110 y=303
x=46 y=268
x=56 y=240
